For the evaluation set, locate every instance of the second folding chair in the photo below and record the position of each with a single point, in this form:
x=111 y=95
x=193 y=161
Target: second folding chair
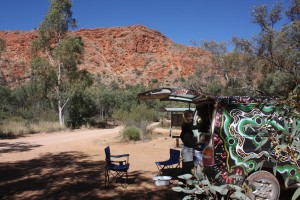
x=116 y=168
x=169 y=167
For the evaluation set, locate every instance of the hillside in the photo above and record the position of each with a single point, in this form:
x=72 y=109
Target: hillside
x=126 y=55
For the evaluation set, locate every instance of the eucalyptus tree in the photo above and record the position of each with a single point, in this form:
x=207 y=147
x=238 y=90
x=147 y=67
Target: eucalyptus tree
x=290 y=44
x=264 y=43
x=266 y=64
x=229 y=75
x=278 y=51
x=289 y=39
x=275 y=50
x=207 y=82
x=56 y=54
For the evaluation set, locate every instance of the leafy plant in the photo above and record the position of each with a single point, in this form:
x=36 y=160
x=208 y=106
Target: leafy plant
x=199 y=187
x=290 y=137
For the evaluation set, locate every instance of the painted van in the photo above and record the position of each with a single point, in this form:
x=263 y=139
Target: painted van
x=249 y=137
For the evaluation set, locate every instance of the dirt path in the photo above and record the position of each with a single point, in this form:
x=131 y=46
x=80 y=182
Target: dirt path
x=35 y=145
x=63 y=137
x=69 y=165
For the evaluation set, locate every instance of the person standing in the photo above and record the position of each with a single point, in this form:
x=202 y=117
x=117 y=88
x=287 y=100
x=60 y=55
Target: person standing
x=189 y=142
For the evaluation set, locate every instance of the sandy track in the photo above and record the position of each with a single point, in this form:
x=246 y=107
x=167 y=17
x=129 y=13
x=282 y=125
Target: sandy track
x=55 y=160
x=64 y=137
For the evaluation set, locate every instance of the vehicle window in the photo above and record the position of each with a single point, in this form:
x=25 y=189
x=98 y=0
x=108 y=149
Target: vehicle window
x=204 y=111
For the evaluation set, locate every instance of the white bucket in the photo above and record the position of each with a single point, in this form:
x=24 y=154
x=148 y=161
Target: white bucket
x=162 y=180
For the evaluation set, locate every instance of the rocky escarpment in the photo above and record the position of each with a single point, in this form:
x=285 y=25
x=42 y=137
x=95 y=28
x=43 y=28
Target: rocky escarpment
x=125 y=55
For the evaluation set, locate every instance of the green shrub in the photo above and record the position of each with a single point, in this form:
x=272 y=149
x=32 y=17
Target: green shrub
x=80 y=110
x=277 y=83
x=154 y=80
x=140 y=116
x=214 y=88
x=131 y=133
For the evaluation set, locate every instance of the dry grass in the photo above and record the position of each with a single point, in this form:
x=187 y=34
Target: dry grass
x=19 y=128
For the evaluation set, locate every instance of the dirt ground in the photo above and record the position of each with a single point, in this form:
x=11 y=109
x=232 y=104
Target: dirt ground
x=70 y=165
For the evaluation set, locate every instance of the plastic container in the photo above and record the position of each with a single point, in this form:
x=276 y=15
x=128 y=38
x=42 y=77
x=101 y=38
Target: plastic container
x=162 y=180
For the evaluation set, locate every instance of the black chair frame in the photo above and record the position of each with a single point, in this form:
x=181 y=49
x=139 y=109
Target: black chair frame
x=116 y=169
x=170 y=165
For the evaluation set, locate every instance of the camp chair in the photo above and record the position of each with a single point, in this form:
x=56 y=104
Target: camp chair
x=169 y=165
x=116 y=170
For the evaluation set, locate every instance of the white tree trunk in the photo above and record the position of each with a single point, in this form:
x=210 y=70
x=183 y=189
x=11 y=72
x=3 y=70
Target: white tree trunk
x=60 y=113
x=60 y=106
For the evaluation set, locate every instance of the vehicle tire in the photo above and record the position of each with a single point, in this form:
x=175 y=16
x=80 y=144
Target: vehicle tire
x=264 y=185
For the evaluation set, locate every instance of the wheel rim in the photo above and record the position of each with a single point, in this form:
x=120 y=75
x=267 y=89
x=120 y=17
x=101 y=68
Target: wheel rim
x=263 y=189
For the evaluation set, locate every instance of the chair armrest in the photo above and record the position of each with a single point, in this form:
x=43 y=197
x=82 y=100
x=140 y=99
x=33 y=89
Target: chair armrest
x=119 y=156
x=120 y=162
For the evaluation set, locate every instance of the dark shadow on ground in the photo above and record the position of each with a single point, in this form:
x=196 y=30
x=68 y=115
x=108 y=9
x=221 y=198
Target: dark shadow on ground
x=71 y=175
x=173 y=172
x=16 y=147
x=8 y=136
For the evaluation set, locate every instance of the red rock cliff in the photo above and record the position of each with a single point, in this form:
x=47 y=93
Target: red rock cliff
x=126 y=55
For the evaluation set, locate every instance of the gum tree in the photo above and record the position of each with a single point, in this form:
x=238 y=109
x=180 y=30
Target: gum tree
x=276 y=52
x=56 y=54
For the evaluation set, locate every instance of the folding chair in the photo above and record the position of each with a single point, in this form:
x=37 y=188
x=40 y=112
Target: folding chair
x=116 y=170
x=170 y=165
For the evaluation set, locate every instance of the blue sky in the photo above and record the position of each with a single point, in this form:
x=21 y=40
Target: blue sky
x=182 y=21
